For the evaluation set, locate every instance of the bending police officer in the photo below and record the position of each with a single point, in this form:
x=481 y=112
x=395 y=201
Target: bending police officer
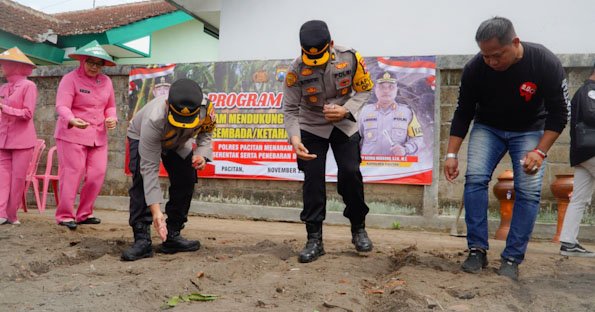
x=324 y=91
x=164 y=129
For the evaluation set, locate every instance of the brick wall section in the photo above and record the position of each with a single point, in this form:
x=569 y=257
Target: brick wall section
x=451 y=193
x=288 y=193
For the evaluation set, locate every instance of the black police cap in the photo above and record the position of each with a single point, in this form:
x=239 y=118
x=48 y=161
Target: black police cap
x=185 y=98
x=315 y=39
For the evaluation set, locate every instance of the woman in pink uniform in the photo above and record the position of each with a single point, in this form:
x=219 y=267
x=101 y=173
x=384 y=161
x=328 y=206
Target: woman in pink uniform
x=17 y=132
x=86 y=106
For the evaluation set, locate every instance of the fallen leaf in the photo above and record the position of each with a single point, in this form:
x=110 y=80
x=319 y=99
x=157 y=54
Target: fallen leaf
x=173 y=301
x=201 y=297
x=200 y=274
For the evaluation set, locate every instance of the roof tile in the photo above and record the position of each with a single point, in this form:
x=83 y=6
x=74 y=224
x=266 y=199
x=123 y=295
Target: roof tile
x=26 y=22
x=35 y=26
x=101 y=19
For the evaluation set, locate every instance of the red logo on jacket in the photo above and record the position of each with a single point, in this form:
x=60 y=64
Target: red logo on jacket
x=527 y=90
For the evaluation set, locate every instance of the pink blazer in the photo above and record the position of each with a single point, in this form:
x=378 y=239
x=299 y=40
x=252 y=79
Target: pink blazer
x=17 y=129
x=92 y=100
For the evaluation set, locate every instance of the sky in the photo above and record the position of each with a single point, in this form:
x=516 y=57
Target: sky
x=55 y=6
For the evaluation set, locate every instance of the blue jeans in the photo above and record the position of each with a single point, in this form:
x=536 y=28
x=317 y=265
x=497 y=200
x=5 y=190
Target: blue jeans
x=487 y=146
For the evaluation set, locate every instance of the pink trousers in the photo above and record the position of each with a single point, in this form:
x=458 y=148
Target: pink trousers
x=77 y=162
x=13 y=171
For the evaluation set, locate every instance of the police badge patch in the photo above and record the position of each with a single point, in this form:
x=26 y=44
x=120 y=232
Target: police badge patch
x=291 y=79
x=307 y=72
x=311 y=90
x=341 y=65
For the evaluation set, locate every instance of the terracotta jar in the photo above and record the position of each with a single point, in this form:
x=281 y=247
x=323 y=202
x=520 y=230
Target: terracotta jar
x=562 y=188
x=504 y=192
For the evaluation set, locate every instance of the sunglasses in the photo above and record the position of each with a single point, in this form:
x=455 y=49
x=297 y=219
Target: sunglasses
x=94 y=64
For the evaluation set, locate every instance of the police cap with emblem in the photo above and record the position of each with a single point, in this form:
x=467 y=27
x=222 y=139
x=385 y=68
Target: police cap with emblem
x=315 y=40
x=386 y=76
x=185 y=98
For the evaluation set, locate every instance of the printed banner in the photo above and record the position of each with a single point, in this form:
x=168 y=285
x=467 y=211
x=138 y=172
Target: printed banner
x=250 y=141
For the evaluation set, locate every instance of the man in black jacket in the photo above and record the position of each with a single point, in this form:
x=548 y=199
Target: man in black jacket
x=583 y=160
x=516 y=93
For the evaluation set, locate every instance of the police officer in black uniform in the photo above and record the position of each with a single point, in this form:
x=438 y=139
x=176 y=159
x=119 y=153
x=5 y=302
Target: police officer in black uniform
x=324 y=91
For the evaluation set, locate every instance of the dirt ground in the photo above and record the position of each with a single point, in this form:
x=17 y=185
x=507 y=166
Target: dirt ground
x=252 y=266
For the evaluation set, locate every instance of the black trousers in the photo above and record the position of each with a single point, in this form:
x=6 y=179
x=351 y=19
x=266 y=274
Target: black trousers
x=182 y=178
x=350 y=183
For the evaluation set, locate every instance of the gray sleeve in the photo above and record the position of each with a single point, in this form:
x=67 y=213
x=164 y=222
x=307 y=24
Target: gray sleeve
x=204 y=145
x=362 y=85
x=292 y=96
x=149 y=148
x=356 y=102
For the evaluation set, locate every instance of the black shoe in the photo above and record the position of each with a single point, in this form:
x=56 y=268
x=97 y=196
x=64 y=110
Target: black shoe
x=313 y=249
x=177 y=243
x=510 y=269
x=91 y=220
x=140 y=249
x=69 y=224
x=476 y=261
x=575 y=250
x=359 y=238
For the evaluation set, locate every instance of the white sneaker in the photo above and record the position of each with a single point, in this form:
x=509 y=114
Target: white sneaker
x=575 y=250
x=17 y=222
x=3 y=221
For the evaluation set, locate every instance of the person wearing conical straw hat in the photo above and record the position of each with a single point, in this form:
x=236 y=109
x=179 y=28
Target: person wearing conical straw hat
x=17 y=131
x=86 y=109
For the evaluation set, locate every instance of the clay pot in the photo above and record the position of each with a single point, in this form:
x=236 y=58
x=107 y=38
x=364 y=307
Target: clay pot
x=504 y=192
x=561 y=188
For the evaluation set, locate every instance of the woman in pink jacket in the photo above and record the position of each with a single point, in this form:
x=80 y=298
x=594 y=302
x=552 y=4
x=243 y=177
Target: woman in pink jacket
x=86 y=106
x=17 y=131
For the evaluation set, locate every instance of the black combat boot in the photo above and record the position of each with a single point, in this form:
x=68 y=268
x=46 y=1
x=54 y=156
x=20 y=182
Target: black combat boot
x=176 y=243
x=360 y=238
x=314 y=247
x=142 y=243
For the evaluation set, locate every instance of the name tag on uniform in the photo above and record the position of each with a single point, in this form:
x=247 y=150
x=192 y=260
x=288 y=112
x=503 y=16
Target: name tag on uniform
x=85 y=91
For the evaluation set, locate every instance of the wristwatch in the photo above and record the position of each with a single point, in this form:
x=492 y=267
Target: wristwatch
x=450 y=155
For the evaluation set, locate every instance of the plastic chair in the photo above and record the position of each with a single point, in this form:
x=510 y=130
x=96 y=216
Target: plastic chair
x=48 y=177
x=31 y=172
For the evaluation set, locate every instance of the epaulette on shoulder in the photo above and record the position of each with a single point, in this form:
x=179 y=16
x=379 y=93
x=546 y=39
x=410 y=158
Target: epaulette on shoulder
x=296 y=64
x=343 y=49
